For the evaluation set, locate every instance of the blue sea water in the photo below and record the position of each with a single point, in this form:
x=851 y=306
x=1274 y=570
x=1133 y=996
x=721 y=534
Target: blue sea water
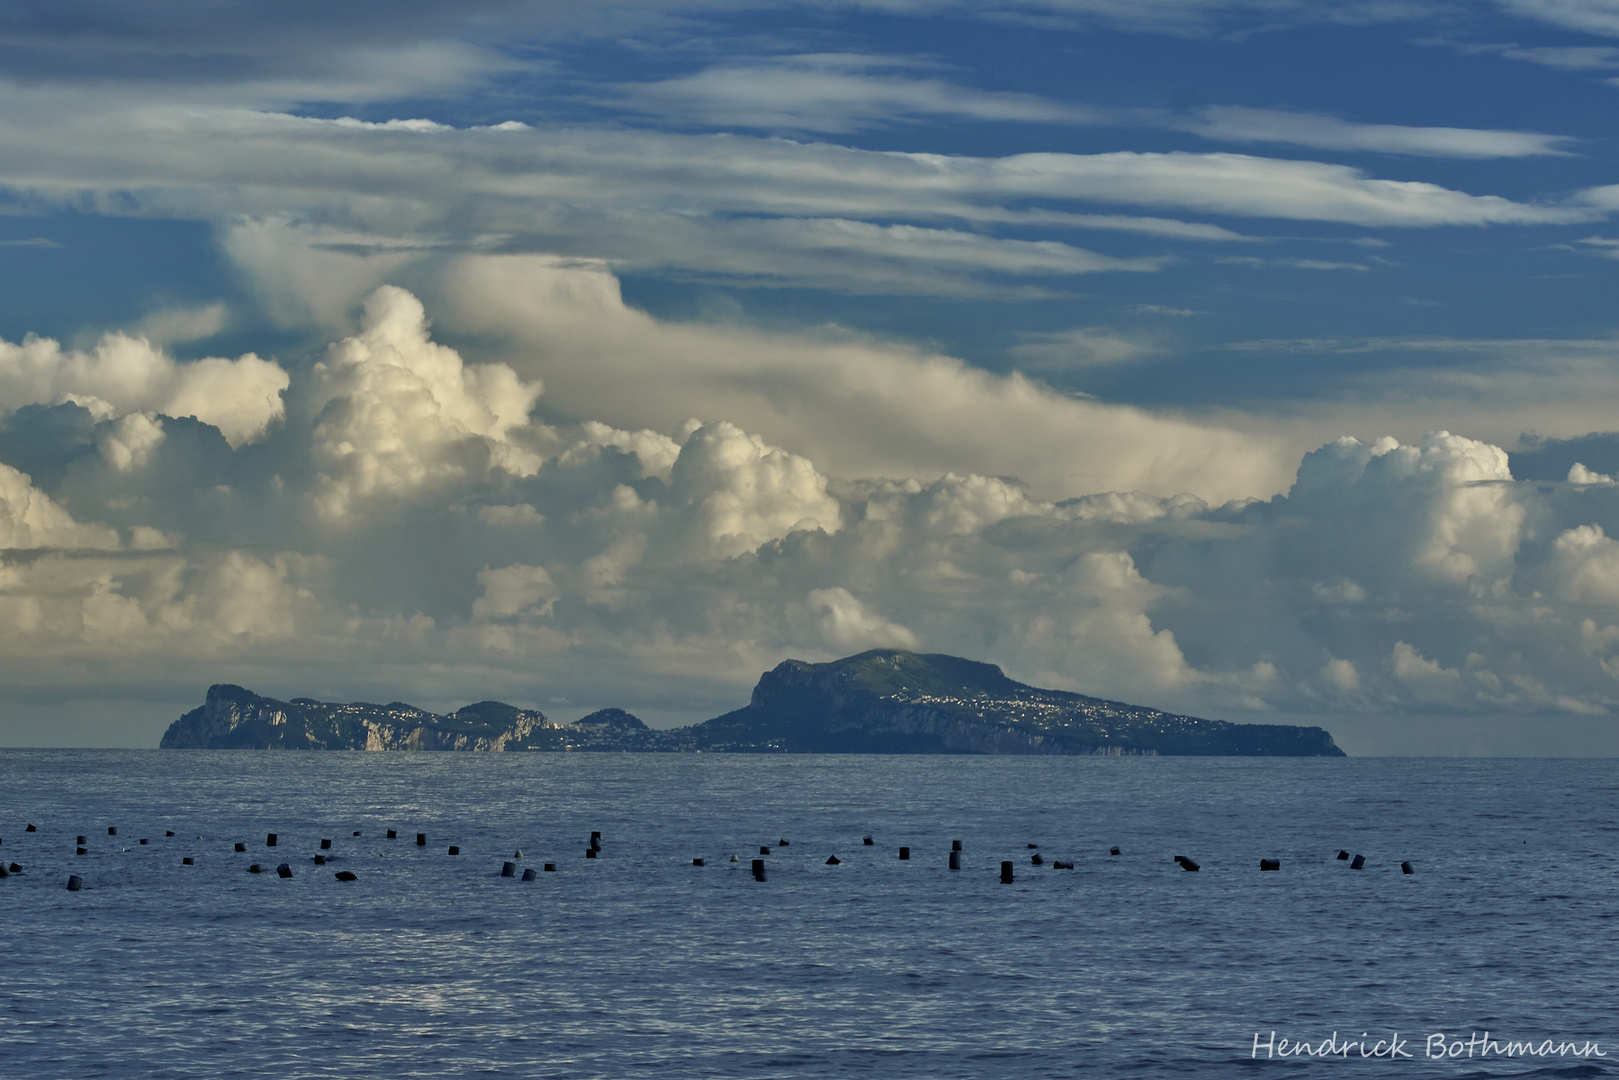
x=639 y=964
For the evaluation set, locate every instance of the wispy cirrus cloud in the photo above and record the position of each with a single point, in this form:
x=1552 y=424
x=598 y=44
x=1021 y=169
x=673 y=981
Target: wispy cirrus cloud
x=817 y=214
x=833 y=93
x=1589 y=16
x=1236 y=124
x=840 y=93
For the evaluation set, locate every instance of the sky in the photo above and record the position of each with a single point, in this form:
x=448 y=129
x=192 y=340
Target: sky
x=1253 y=359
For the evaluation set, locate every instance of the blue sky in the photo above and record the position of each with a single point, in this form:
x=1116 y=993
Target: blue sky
x=747 y=330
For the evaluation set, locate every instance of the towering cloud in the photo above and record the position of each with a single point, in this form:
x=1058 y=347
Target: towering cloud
x=409 y=527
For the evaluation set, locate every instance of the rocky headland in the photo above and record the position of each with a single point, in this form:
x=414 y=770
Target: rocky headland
x=885 y=701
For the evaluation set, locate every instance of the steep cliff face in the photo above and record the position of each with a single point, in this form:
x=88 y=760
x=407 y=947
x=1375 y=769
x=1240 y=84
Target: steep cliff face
x=887 y=701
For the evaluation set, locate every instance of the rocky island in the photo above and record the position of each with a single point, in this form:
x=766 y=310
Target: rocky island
x=885 y=701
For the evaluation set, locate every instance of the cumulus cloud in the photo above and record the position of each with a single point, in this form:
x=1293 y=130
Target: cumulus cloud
x=31 y=519
x=742 y=492
x=124 y=375
x=395 y=411
x=412 y=530
x=847 y=624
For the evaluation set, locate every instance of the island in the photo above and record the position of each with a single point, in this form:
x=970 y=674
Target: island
x=885 y=701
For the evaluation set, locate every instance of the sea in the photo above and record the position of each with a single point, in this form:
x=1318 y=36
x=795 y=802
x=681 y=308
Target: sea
x=1497 y=956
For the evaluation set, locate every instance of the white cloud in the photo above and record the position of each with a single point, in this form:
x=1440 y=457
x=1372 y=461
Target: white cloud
x=514 y=590
x=173 y=325
x=831 y=92
x=1585 y=564
x=1565 y=57
x=124 y=375
x=859 y=407
x=1590 y=16
x=396 y=411
x=31 y=519
x=1293 y=264
x=1579 y=474
x=390 y=195
x=1078 y=348
x=1238 y=124
x=742 y=492
x=847 y=625
x=129 y=443
x=674 y=562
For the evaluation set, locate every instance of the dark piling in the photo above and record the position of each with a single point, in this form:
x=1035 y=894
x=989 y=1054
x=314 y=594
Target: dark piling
x=1006 y=873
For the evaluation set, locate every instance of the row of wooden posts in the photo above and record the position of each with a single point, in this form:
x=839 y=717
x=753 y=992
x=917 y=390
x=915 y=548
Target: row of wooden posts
x=509 y=868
